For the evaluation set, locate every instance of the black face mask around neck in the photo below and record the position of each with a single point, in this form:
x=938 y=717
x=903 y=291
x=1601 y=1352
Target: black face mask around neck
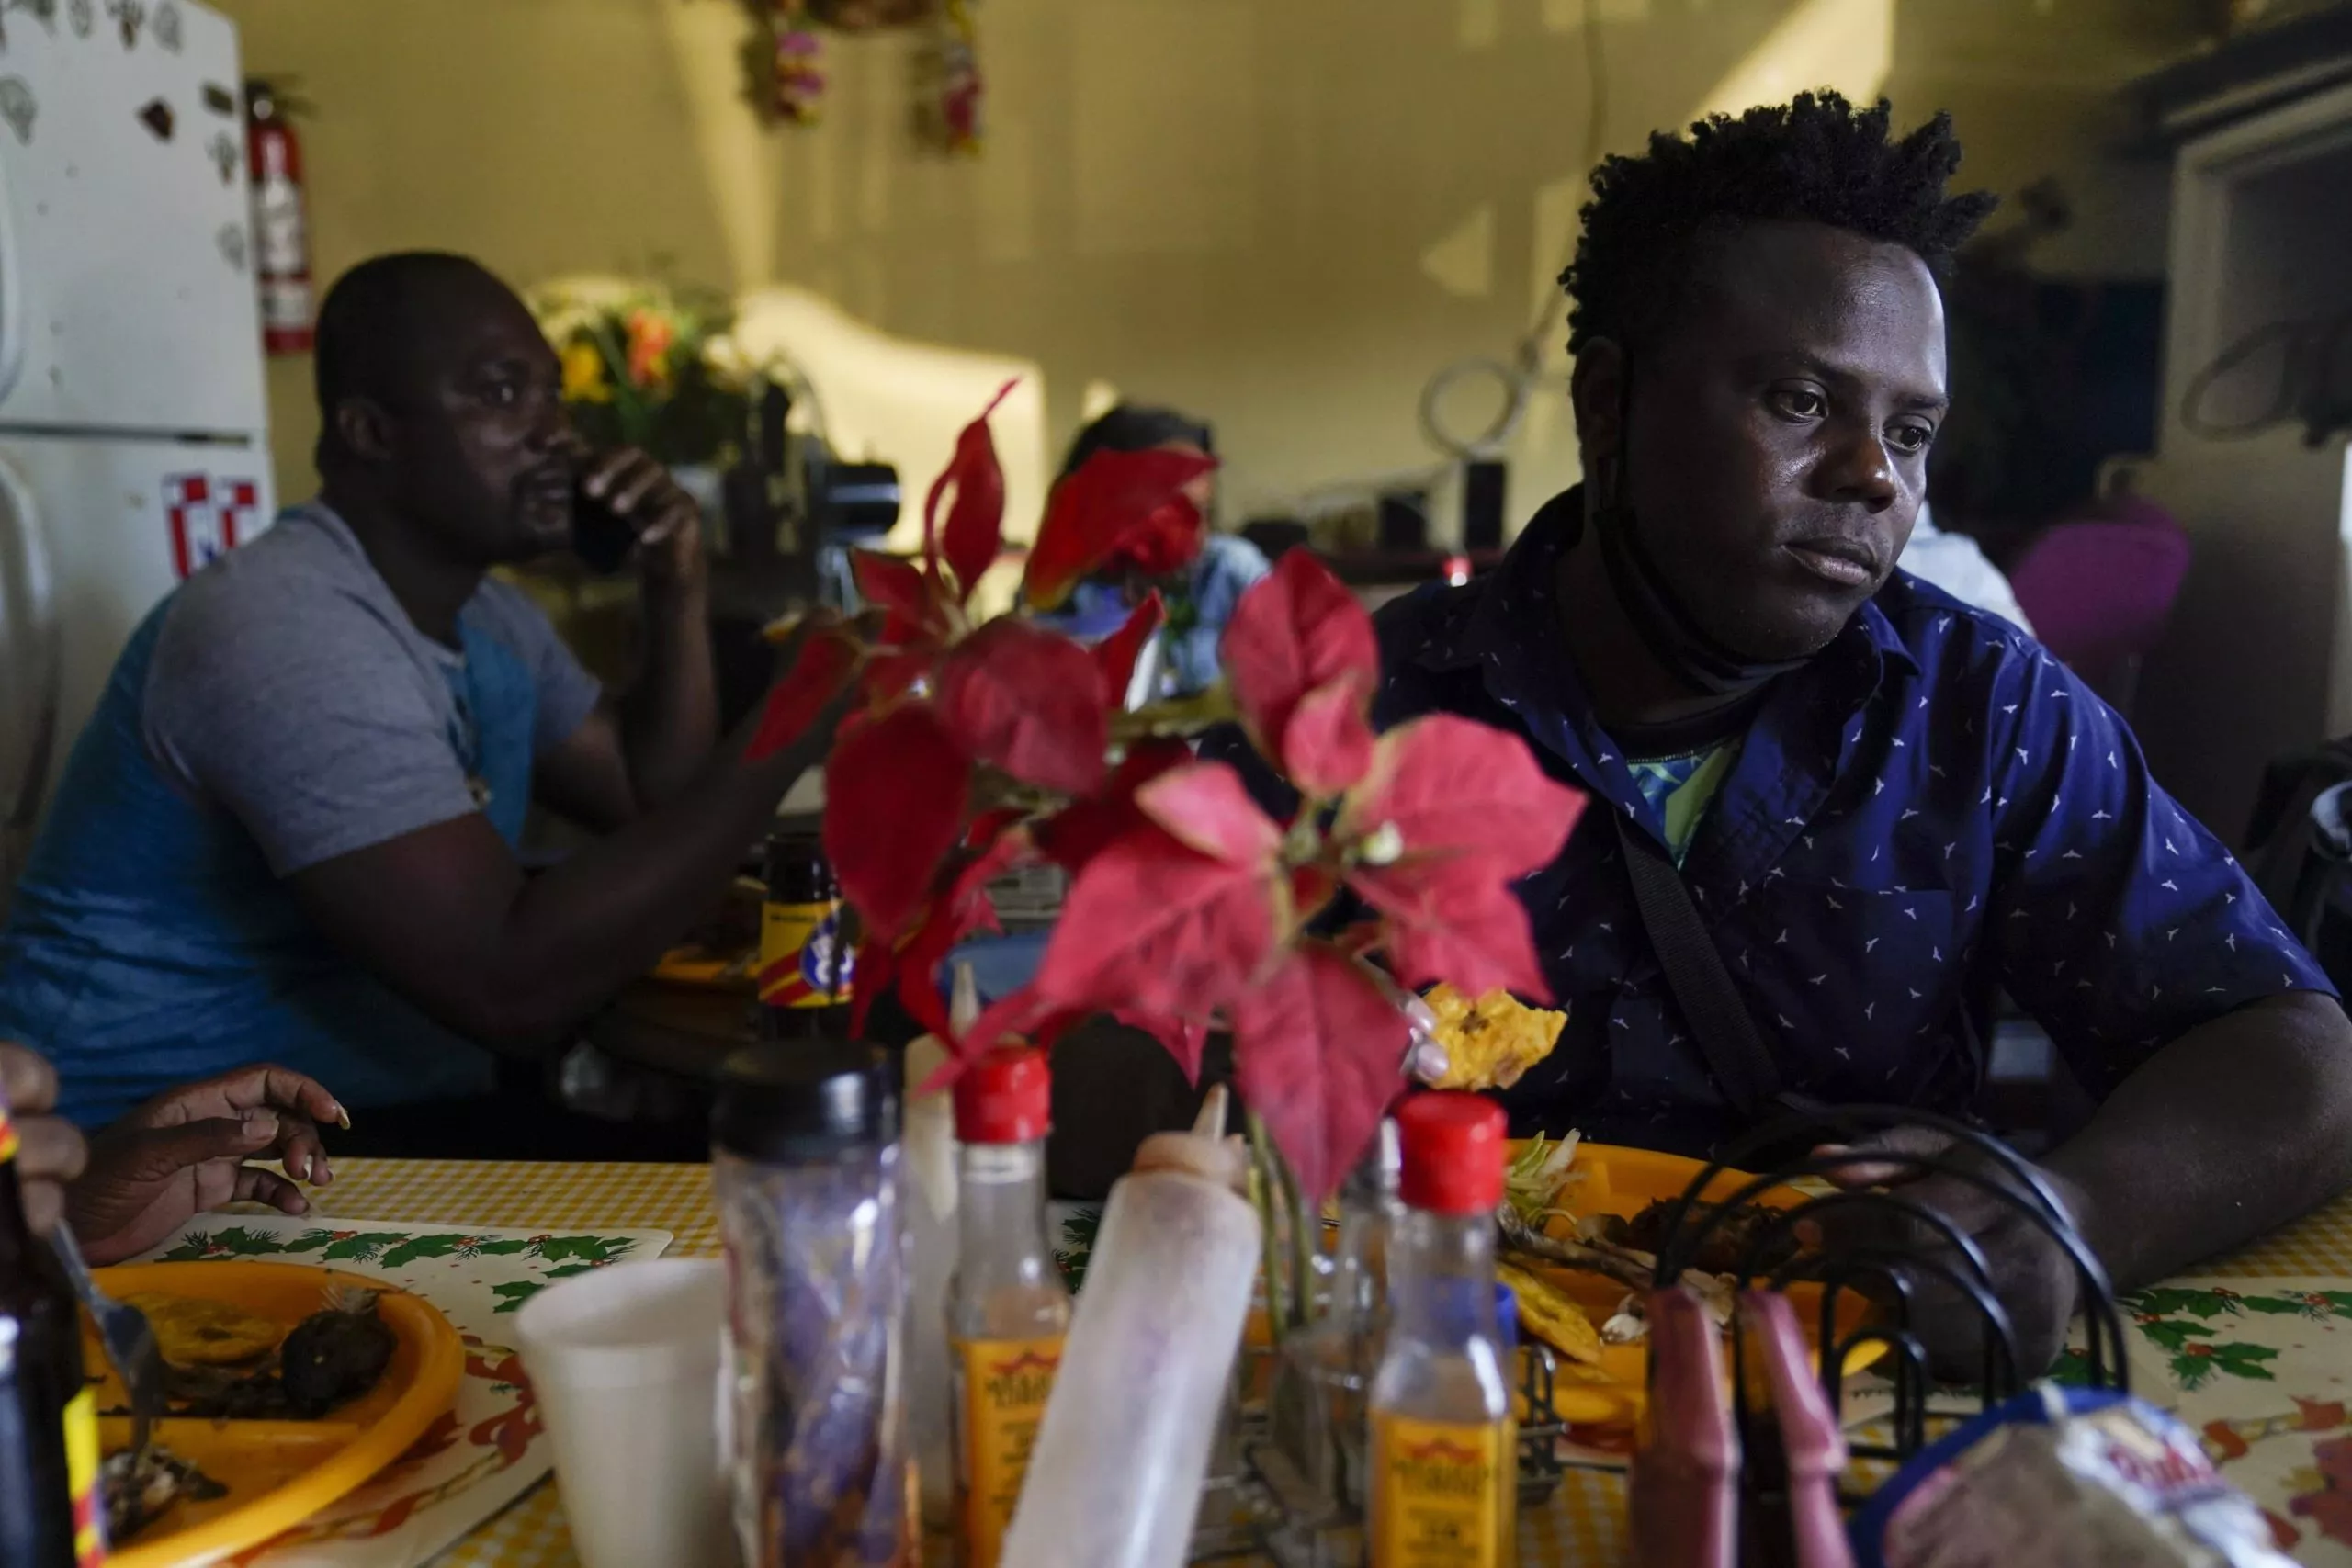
x=1665 y=628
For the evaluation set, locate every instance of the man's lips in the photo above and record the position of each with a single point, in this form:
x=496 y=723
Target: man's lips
x=1848 y=563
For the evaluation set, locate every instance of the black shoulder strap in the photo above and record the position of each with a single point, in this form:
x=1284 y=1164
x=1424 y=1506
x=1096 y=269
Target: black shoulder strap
x=1694 y=970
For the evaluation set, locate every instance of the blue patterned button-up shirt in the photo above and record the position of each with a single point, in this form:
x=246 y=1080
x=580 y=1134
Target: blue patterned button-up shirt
x=1932 y=809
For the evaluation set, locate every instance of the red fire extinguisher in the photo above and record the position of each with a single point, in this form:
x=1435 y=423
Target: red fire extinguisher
x=281 y=223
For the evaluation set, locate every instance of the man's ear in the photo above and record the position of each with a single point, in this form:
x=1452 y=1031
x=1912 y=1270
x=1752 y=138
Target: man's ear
x=363 y=428
x=1596 y=389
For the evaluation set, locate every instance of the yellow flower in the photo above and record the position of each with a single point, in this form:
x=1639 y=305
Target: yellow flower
x=583 y=375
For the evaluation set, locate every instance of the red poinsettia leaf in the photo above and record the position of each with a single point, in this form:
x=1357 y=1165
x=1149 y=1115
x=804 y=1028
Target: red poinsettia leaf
x=1311 y=887
x=895 y=794
x=1028 y=701
x=1073 y=835
x=1168 y=540
x=1154 y=928
x=1022 y=1015
x=976 y=517
x=898 y=586
x=1089 y=514
x=889 y=676
x=1295 y=632
x=874 y=964
x=1116 y=653
x=820 y=673
x=1328 y=745
x=1207 y=808
x=1318 y=1054
x=1453 y=918
x=1452 y=785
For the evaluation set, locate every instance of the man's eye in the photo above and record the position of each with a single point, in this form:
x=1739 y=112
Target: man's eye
x=1798 y=402
x=1911 y=438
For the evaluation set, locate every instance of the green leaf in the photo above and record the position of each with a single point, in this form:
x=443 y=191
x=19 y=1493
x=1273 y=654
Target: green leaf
x=515 y=1292
x=2172 y=1336
x=569 y=1269
x=417 y=1246
x=2277 y=1307
x=593 y=1249
x=2245 y=1360
x=503 y=1249
x=2192 y=1372
x=363 y=1248
x=2340 y=1300
x=2164 y=1301
x=2072 y=1369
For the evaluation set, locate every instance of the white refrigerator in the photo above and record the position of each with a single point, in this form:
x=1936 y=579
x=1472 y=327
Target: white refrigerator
x=134 y=425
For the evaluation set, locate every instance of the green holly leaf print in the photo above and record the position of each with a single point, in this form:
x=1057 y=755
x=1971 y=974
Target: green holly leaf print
x=1079 y=1231
x=584 y=1248
x=2164 y=1301
x=569 y=1269
x=511 y=1245
x=2172 y=1336
x=361 y=1246
x=515 y=1292
x=2196 y=1365
x=2072 y=1369
x=2277 y=1306
x=309 y=1241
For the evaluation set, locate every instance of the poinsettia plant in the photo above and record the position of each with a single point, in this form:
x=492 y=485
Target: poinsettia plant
x=973 y=750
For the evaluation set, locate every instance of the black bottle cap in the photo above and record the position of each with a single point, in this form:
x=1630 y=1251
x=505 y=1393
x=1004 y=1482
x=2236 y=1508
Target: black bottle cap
x=807 y=1101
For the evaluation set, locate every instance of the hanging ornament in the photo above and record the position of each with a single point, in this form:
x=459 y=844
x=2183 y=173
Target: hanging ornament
x=958 y=70
x=800 y=84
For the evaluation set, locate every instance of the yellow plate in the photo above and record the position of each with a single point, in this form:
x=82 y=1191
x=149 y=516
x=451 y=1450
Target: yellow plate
x=278 y=1472
x=1617 y=1181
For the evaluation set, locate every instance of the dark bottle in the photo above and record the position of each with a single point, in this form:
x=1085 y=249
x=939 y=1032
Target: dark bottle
x=50 y=1513
x=807 y=961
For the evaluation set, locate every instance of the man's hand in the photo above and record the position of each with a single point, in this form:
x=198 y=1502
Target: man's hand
x=2033 y=1277
x=185 y=1151
x=49 y=1151
x=667 y=520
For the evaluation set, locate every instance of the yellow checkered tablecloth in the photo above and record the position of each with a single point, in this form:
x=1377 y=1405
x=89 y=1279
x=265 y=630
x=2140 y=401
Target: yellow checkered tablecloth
x=1583 y=1524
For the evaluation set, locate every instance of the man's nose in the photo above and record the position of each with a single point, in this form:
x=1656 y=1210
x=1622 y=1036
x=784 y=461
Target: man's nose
x=1859 y=470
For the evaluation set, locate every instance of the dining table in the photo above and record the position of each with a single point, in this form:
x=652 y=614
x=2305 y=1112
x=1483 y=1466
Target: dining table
x=2271 y=1310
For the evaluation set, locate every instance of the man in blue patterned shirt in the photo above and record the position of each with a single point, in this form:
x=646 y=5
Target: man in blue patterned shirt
x=1885 y=804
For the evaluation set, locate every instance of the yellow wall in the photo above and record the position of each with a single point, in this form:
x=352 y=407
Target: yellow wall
x=1282 y=214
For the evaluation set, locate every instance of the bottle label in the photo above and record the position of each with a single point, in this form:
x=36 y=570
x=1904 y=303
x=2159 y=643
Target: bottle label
x=803 y=963
x=82 y=1481
x=1005 y=1384
x=1437 y=1493
x=7 y=1136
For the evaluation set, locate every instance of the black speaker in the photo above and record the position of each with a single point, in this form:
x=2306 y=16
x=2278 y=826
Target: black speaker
x=1483 y=484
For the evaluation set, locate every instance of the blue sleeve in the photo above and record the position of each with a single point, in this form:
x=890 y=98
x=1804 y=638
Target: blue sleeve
x=2122 y=922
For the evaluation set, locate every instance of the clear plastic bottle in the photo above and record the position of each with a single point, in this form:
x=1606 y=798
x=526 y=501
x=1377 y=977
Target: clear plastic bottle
x=1007 y=1308
x=1116 y=1477
x=1444 y=1468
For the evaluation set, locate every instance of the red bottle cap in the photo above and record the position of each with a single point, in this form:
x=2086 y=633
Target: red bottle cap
x=1006 y=1096
x=1454 y=1149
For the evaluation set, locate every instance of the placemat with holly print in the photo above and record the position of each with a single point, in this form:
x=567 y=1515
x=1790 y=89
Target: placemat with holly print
x=488 y=1449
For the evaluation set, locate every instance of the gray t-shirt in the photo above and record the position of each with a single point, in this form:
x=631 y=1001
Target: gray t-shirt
x=290 y=688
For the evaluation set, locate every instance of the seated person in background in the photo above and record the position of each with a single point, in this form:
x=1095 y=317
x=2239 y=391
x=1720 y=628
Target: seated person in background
x=288 y=832
x=1956 y=563
x=1200 y=593
x=180 y=1154
x=1883 y=804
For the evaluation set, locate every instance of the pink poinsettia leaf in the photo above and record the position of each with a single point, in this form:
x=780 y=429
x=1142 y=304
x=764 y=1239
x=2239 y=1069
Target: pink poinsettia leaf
x=1452 y=785
x=1455 y=918
x=974 y=527
x=1113 y=496
x=1207 y=808
x=889 y=676
x=819 y=674
x=1328 y=743
x=895 y=789
x=1073 y=835
x=1295 y=631
x=1021 y=1015
x=1116 y=654
x=1028 y=701
x=896 y=585
x=1318 y=1054
x=1153 y=927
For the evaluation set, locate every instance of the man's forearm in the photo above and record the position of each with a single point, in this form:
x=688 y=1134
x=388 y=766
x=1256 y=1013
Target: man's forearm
x=669 y=718
x=2227 y=1133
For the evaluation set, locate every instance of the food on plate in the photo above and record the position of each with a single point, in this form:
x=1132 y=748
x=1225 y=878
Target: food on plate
x=1551 y=1313
x=1539 y=1173
x=336 y=1355
x=1725 y=1249
x=197 y=1331
x=140 y=1488
x=1489 y=1043
x=331 y=1358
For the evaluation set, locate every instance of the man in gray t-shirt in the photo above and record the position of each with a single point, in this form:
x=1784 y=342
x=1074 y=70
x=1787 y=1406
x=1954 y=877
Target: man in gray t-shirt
x=289 y=831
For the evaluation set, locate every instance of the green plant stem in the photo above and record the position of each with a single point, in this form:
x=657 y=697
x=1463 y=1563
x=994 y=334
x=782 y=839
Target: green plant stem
x=1264 y=1184
x=1303 y=1227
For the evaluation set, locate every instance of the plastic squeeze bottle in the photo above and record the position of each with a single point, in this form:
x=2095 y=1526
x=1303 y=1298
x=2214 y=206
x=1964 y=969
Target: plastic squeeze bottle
x=1443 y=1470
x=930 y=1209
x=1115 y=1478
x=1007 y=1310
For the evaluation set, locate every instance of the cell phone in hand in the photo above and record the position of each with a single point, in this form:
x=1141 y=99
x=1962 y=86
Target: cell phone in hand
x=601 y=536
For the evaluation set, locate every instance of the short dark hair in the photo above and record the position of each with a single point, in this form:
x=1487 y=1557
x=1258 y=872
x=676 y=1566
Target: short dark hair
x=1817 y=160
x=367 y=326
x=1134 y=427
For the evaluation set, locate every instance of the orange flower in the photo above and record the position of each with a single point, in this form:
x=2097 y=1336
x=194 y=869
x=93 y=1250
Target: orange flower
x=651 y=338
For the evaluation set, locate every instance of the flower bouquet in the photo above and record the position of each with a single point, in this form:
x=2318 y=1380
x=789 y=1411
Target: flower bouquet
x=651 y=366
x=973 y=750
